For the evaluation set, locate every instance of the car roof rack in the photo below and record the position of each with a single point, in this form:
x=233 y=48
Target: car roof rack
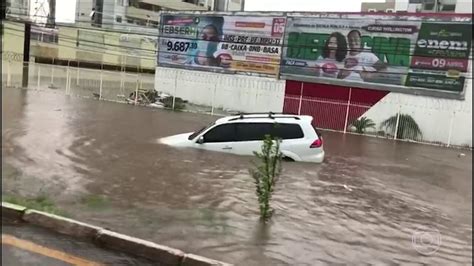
x=270 y=115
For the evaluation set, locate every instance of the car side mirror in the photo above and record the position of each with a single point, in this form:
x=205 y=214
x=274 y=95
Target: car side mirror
x=200 y=140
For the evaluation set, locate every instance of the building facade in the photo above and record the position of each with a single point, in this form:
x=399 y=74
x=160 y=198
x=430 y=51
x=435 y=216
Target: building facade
x=419 y=6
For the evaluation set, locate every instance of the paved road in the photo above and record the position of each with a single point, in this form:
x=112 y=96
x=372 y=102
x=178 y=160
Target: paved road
x=29 y=245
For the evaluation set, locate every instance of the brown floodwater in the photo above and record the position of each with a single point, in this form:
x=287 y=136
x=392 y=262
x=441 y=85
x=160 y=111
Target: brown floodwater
x=362 y=206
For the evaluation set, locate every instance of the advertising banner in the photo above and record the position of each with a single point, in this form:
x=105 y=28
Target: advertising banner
x=232 y=44
x=392 y=53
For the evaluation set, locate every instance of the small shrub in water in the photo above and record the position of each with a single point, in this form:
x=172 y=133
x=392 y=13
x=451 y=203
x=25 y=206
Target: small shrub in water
x=266 y=174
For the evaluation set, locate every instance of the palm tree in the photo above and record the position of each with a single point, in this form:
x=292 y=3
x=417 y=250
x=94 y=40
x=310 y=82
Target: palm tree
x=362 y=124
x=407 y=127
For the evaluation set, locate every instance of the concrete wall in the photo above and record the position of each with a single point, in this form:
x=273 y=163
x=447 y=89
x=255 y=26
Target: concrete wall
x=464 y=6
x=230 y=92
x=12 y=45
x=440 y=120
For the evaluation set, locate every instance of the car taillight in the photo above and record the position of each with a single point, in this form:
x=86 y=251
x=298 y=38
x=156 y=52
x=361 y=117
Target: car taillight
x=317 y=143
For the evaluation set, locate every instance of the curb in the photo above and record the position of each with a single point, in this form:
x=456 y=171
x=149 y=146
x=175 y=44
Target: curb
x=106 y=238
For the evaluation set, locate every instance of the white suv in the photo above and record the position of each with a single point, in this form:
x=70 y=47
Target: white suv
x=244 y=133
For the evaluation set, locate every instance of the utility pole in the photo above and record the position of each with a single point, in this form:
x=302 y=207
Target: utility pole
x=52 y=14
x=3 y=11
x=26 y=54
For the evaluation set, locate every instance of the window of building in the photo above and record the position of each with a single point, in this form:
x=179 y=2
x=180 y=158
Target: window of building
x=122 y=2
x=429 y=6
x=90 y=39
x=44 y=35
x=449 y=8
x=389 y=10
x=372 y=10
x=118 y=19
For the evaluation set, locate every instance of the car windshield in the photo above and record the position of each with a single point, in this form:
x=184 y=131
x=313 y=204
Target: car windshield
x=195 y=134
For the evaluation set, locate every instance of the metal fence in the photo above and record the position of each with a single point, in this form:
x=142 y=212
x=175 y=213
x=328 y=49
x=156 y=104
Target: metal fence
x=116 y=86
x=439 y=122
x=82 y=82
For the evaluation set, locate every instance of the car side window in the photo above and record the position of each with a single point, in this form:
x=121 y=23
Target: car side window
x=253 y=131
x=257 y=131
x=221 y=133
x=287 y=131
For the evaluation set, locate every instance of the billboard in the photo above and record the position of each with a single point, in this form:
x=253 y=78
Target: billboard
x=370 y=52
x=221 y=43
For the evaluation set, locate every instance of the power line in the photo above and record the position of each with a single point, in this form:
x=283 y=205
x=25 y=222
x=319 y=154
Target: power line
x=95 y=51
x=282 y=46
x=193 y=56
x=161 y=52
x=231 y=71
x=160 y=28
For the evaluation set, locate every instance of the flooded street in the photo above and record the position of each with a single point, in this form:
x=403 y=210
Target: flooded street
x=363 y=205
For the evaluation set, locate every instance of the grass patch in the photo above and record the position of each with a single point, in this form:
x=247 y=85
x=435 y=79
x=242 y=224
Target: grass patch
x=39 y=203
x=95 y=201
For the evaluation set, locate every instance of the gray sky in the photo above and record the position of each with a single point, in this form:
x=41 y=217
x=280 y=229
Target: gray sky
x=306 y=5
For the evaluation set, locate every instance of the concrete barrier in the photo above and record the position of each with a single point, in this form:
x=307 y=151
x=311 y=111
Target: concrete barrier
x=163 y=255
x=12 y=211
x=195 y=260
x=143 y=248
x=62 y=225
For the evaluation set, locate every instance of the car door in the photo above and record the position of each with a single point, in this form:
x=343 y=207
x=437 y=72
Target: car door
x=292 y=138
x=219 y=138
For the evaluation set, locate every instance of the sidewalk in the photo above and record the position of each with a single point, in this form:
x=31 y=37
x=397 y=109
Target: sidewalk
x=24 y=244
x=31 y=237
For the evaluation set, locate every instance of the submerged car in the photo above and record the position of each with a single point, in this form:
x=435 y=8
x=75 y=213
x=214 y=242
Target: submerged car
x=244 y=133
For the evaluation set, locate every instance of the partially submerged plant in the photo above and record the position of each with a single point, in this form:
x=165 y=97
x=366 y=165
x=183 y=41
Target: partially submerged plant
x=266 y=174
x=362 y=124
x=407 y=127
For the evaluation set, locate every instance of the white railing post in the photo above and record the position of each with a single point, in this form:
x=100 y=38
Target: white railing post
x=301 y=98
x=136 y=89
x=67 y=79
x=347 y=110
x=9 y=74
x=451 y=124
x=39 y=76
x=52 y=74
x=77 y=74
x=398 y=121
x=175 y=90
x=213 y=98
x=101 y=83
x=122 y=91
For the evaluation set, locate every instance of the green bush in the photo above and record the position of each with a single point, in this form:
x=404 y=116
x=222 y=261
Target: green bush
x=266 y=173
x=179 y=103
x=362 y=124
x=407 y=127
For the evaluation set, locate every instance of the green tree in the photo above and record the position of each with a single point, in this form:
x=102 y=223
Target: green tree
x=266 y=173
x=362 y=124
x=407 y=127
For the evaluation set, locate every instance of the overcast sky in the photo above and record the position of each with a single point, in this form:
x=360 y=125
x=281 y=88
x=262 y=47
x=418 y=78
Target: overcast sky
x=306 y=5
